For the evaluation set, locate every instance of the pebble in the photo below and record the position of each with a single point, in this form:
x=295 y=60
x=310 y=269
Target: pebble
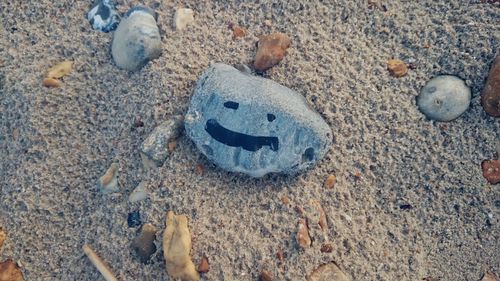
x=271 y=50
x=498 y=147
x=329 y=271
x=10 y=271
x=397 y=68
x=491 y=171
x=140 y=193
x=134 y=219
x=303 y=238
x=238 y=31
x=3 y=236
x=330 y=181
x=103 y=16
x=51 y=83
x=490 y=277
x=143 y=244
x=203 y=267
x=136 y=40
x=182 y=18
x=155 y=147
x=490 y=96
x=326 y=248
x=108 y=183
x=176 y=247
x=254 y=125
x=266 y=276
x=444 y=98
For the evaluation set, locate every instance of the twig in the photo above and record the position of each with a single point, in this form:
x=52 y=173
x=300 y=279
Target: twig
x=99 y=263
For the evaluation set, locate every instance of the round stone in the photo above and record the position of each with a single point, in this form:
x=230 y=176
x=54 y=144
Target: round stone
x=136 y=40
x=444 y=98
x=104 y=16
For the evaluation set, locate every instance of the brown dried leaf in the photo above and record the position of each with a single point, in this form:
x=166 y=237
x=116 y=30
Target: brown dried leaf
x=60 y=70
x=203 y=267
x=397 y=68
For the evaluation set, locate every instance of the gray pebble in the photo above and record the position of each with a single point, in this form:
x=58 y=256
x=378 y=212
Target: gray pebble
x=254 y=125
x=143 y=245
x=155 y=146
x=103 y=16
x=136 y=40
x=444 y=98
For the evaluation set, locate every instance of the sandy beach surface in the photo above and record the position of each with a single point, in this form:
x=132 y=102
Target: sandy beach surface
x=410 y=201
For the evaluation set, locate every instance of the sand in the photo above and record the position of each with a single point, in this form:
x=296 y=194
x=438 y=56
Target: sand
x=56 y=143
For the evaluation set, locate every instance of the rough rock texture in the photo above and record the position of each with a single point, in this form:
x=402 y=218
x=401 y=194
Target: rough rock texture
x=54 y=145
x=136 y=40
x=155 y=146
x=490 y=97
x=252 y=125
x=444 y=98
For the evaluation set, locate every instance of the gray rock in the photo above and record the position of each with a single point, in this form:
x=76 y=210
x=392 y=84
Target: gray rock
x=155 y=147
x=253 y=125
x=103 y=16
x=136 y=40
x=143 y=245
x=444 y=98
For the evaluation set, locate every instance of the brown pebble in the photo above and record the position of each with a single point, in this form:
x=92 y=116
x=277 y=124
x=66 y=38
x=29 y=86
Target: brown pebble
x=490 y=96
x=3 y=236
x=329 y=271
x=271 y=50
x=326 y=248
x=171 y=146
x=397 y=68
x=280 y=255
x=303 y=238
x=143 y=244
x=490 y=277
x=59 y=70
x=51 y=83
x=491 y=171
x=285 y=200
x=10 y=271
x=200 y=169
x=330 y=181
x=238 y=31
x=266 y=276
x=203 y=267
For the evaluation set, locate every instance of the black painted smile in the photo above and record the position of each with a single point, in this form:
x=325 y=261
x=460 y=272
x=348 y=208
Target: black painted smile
x=235 y=139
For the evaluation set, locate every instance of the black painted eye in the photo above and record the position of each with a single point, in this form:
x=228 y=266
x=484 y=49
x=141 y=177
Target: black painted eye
x=231 y=104
x=270 y=117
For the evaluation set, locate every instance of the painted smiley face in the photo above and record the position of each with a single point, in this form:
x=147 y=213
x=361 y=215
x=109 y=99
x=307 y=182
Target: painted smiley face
x=237 y=139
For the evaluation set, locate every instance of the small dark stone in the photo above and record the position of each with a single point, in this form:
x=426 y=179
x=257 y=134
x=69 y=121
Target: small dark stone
x=134 y=219
x=143 y=245
x=406 y=207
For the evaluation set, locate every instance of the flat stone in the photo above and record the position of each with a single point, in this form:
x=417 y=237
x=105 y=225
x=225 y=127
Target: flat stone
x=136 y=40
x=254 y=125
x=490 y=96
x=104 y=16
x=140 y=193
x=327 y=272
x=155 y=146
x=444 y=98
x=143 y=245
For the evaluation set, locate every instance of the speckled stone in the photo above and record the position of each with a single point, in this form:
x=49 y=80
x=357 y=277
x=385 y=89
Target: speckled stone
x=444 y=98
x=103 y=16
x=136 y=40
x=155 y=146
x=249 y=124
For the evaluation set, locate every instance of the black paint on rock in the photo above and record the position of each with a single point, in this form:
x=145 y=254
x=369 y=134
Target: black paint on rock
x=231 y=104
x=234 y=139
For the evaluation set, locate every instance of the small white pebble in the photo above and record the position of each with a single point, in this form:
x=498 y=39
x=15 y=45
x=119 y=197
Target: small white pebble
x=182 y=18
x=490 y=215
